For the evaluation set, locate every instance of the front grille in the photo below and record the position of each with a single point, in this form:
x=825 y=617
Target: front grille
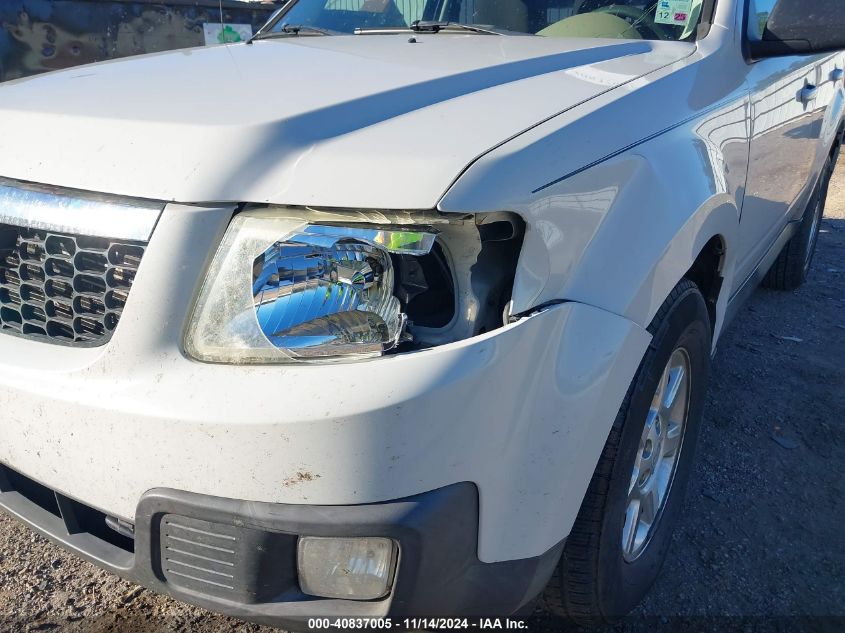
x=64 y=288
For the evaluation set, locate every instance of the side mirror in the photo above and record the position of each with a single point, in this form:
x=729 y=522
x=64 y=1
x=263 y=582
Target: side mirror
x=796 y=27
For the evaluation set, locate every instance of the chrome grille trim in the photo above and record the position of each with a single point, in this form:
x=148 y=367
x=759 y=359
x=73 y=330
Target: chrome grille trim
x=72 y=212
x=64 y=288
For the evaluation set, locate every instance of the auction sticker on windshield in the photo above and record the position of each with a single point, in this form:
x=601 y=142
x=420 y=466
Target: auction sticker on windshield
x=675 y=12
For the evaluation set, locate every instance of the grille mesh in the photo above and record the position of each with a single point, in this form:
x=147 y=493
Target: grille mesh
x=64 y=288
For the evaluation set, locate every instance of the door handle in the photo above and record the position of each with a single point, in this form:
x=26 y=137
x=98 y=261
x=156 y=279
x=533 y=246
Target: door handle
x=837 y=75
x=809 y=94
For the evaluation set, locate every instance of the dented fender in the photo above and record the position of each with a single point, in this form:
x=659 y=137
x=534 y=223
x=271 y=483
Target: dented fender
x=618 y=229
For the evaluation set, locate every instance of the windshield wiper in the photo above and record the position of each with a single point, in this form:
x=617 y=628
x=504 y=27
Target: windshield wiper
x=434 y=26
x=429 y=26
x=290 y=29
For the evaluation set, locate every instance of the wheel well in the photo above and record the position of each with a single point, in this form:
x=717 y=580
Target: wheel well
x=706 y=273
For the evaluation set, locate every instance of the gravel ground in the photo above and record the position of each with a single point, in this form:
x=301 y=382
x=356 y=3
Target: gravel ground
x=761 y=534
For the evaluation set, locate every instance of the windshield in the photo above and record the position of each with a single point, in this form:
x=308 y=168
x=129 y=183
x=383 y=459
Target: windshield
x=628 y=19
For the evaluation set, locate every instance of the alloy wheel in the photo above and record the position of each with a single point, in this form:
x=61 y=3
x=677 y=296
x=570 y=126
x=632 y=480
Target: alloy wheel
x=657 y=455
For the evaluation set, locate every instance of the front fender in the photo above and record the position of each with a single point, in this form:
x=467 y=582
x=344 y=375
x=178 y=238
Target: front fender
x=620 y=234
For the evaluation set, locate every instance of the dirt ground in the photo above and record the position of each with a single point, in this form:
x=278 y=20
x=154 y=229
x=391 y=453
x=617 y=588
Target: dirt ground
x=761 y=535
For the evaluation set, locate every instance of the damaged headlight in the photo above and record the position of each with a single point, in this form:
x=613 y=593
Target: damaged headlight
x=283 y=289
x=291 y=285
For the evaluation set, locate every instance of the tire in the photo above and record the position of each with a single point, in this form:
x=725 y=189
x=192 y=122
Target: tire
x=597 y=582
x=793 y=264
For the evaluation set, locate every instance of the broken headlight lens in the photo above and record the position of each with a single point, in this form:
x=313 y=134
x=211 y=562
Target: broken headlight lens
x=283 y=289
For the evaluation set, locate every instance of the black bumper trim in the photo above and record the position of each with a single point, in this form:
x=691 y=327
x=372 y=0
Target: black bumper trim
x=439 y=573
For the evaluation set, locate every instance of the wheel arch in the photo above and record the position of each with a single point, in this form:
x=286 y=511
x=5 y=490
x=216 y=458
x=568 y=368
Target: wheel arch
x=702 y=251
x=706 y=273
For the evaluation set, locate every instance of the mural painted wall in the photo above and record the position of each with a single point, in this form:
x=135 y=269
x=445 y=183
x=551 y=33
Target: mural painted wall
x=38 y=36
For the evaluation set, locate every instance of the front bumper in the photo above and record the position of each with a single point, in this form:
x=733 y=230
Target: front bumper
x=522 y=412
x=239 y=558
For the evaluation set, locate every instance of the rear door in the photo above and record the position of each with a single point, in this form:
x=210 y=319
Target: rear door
x=789 y=99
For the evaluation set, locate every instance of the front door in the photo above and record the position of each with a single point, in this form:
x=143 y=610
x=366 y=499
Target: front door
x=789 y=98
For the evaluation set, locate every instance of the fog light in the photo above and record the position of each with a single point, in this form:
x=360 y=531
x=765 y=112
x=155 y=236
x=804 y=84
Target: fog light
x=350 y=568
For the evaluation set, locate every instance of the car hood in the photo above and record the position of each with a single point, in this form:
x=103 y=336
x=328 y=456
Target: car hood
x=371 y=121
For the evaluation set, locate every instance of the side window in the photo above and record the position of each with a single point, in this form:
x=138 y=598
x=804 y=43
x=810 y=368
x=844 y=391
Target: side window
x=758 y=15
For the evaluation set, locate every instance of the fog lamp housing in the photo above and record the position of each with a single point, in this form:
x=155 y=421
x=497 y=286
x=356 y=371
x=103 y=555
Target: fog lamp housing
x=346 y=568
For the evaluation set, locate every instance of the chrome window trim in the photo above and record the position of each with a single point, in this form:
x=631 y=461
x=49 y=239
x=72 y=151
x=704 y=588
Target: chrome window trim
x=75 y=212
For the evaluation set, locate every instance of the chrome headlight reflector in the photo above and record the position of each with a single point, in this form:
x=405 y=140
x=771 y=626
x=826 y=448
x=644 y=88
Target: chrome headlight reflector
x=282 y=289
x=318 y=294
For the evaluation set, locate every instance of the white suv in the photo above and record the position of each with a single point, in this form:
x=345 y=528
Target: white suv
x=405 y=307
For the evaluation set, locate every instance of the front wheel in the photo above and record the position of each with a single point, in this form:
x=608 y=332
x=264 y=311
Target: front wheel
x=623 y=529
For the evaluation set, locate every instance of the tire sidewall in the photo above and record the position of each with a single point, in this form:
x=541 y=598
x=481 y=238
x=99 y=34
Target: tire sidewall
x=623 y=584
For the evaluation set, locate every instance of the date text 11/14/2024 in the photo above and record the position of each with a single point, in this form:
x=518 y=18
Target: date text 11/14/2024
x=514 y=624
